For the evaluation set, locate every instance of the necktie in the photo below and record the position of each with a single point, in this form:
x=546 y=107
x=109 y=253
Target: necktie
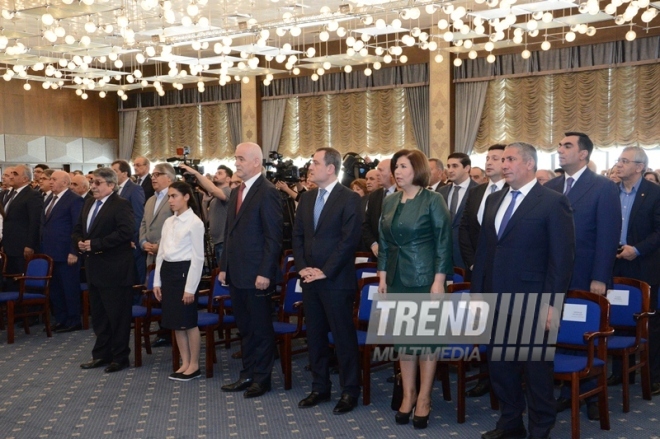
x=318 y=207
x=11 y=196
x=508 y=213
x=239 y=200
x=569 y=185
x=453 y=205
x=96 y=211
x=50 y=206
x=493 y=188
x=139 y=182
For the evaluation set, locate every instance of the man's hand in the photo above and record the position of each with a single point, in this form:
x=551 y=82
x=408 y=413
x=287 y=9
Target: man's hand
x=28 y=252
x=628 y=253
x=222 y=276
x=188 y=169
x=150 y=248
x=262 y=283
x=85 y=246
x=71 y=259
x=598 y=287
x=156 y=291
x=307 y=271
x=316 y=274
x=188 y=298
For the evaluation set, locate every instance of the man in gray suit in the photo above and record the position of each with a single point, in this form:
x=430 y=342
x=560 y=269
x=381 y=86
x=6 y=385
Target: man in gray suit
x=156 y=210
x=454 y=193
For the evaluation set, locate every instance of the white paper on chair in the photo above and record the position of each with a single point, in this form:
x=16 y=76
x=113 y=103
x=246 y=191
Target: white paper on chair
x=298 y=287
x=575 y=313
x=373 y=290
x=618 y=297
x=367 y=274
x=361 y=260
x=449 y=282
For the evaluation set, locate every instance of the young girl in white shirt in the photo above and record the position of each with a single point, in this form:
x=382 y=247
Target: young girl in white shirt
x=179 y=266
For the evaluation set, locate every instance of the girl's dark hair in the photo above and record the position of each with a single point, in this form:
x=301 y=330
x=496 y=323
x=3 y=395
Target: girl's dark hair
x=185 y=189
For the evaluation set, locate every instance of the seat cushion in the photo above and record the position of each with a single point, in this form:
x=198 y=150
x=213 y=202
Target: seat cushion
x=207 y=319
x=621 y=342
x=285 y=328
x=8 y=297
x=141 y=311
x=573 y=363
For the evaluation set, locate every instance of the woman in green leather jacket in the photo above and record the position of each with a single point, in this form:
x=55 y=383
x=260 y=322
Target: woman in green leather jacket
x=414 y=256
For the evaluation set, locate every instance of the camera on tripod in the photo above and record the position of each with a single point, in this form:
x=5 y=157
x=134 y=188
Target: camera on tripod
x=354 y=167
x=281 y=170
x=193 y=163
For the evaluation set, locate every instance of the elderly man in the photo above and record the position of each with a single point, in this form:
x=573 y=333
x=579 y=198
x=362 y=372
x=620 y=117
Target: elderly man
x=103 y=236
x=59 y=217
x=437 y=174
x=478 y=175
x=375 y=206
x=545 y=175
x=22 y=222
x=249 y=264
x=142 y=177
x=373 y=180
x=80 y=186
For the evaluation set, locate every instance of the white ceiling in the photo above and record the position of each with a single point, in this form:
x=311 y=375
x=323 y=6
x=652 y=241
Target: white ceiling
x=216 y=39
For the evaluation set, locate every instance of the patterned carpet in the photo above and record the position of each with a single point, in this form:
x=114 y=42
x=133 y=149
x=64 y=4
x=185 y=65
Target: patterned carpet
x=44 y=394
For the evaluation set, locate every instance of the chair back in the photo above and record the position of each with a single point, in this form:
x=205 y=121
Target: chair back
x=37 y=271
x=367 y=288
x=459 y=275
x=286 y=257
x=291 y=293
x=583 y=312
x=628 y=297
x=151 y=271
x=460 y=287
x=365 y=269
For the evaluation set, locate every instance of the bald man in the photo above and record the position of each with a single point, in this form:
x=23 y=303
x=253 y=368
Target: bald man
x=80 y=185
x=375 y=205
x=249 y=264
x=58 y=218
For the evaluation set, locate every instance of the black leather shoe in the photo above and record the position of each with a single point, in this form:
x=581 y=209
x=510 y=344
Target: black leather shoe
x=592 y=411
x=346 y=404
x=256 y=389
x=115 y=367
x=161 y=342
x=238 y=386
x=655 y=388
x=314 y=399
x=563 y=404
x=480 y=389
x=614 y=380
x=68 y=329
x=184 y=377
x=498 y=433
x=94 y=364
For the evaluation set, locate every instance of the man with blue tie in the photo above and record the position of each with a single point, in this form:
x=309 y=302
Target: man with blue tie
x=60 y=216
x=455 y=195
x=597 y=214
x=639 y=246
x=526 y=247
x=325 y=237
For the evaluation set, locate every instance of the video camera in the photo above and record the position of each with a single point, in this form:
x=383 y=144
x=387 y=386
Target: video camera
x=354 y=167
x=281 y=170
x=193 y=163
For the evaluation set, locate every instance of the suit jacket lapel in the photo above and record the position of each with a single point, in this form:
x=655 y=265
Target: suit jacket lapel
x=582 y=186
x=639 y=200
x=327 y=207
x=248 y=198
x=102 y=210
x=527 y=204
x=155 y=214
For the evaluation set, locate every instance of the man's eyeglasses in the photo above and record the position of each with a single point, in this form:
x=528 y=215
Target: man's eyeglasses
x=98 y=182
x=156 y=174
x=626 y=161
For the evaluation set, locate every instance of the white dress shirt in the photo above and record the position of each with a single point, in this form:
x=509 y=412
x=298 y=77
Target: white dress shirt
x=91 y=211
x=182 y=239
x=574 y=177
x=507 y=200
x=248 y=184
x=160 y=196
x=59 y=197
x=328 y=189
x=464 y=188
x=482 y=206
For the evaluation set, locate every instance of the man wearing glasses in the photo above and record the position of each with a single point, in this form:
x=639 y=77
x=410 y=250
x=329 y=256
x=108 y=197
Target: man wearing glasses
x=639 y=246
x=142 y=177
x=103 y=237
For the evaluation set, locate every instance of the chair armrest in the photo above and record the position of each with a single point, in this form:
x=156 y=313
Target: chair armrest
x=22 y=277
x=12 y=274
x=204 y=292
x=221 y=303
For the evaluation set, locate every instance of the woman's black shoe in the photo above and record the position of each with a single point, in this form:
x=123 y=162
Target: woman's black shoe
x=402 y=418
x=421 y=422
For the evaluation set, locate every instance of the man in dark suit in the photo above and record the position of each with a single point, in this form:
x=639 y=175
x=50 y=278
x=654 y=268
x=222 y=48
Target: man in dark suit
x=142 y=176
x=325 y=237
x=375 y=206
x=80 y=186
x=135 y=195
x=639 y=245
x=597 y=216
x=249 y=264
x=103 y=235
x=455 y=195
x=7 y=179
x=506 y=263
x=60 y=216
x=437 y=174
x=470 y=226
x=22 y=223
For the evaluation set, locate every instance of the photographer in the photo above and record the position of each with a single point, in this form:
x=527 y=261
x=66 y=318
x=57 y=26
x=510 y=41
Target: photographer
x=219 y=189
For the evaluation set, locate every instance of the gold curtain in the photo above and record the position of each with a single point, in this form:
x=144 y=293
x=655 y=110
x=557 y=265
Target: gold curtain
x=204 y=128
x=616 y=107
x=371 y=122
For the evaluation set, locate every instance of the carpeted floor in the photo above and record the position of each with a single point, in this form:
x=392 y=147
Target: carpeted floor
x=45 y=394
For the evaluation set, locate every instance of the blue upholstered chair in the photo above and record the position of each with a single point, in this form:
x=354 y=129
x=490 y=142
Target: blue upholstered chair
x=143 y=315
x=365 y=269
x=285 y=330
